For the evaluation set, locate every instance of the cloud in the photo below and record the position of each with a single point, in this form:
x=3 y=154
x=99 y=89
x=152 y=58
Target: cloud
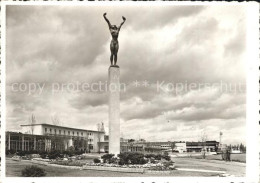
x=193 y=105
x=158 y=17
x=90 y=99
x=236 y=44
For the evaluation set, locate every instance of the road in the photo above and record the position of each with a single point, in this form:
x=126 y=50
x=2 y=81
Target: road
x=232 y=168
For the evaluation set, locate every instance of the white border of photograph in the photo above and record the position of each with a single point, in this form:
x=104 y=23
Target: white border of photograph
x=252 y=156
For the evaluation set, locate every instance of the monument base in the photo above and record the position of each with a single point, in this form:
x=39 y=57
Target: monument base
x=114 y=66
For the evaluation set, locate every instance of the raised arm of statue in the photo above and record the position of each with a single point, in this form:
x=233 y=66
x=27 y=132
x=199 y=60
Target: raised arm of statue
x=122 y=22
x=104 y=15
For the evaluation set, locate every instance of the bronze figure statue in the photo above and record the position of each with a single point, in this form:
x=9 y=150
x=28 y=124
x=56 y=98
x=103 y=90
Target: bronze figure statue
x=114 y=46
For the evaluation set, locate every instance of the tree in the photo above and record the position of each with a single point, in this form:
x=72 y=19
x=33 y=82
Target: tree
x=71 y=149
x=203 y=139
x=230 y=146
x=32 y=121
x=56 y=120
x=99 y=130
x=54 y=154
x=173 y=145
x=131 y=140
x=242 y=148
x=107 y=158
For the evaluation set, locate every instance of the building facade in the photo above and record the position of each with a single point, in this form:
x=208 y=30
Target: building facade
x=152 y=147
x=47 y=137
x=175 y=146
x=209 y=146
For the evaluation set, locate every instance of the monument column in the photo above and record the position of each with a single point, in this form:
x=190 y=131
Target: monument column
x=9 y=141
x=22 y=142
x=34 y=143
x=114 y=109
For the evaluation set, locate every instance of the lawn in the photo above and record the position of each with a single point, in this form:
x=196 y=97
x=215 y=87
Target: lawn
x=234 y=157
x=14 y=168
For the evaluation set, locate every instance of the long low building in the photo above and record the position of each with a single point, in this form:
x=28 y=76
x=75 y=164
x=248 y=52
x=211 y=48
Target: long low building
x=209 y=146
x=174 y=146
x=46 y=137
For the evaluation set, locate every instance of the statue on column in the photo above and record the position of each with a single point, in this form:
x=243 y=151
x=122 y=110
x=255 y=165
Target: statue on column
x=114 y=46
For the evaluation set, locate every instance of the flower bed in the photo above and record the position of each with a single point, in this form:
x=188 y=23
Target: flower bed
x=129 y=162
x=150 y=166
x=41 y=159
x=68 y=163
x=154 y=168
x=114 y=169
x=146 y=168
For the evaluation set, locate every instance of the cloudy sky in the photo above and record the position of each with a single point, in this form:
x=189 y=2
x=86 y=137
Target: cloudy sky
x=51 y=49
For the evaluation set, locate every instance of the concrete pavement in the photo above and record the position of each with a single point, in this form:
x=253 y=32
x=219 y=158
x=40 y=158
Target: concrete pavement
x=231 y=168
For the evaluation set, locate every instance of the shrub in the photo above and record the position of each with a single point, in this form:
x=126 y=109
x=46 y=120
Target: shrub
x=165 y=153
x=152 y=160
x=32 y=152
x=72 y=152
x=137 y=158
x=107 y=158
x=21 y=153
x=43 y=155
x=79 y=152
x=33 y=171
x=114 y=160
x=11 y=151
x=131 y=158
x=149 y=156
x=166 y=157
x=96 y=160
x=69 y=153
x=158 y=156
x=55 y=154
x=167 y=164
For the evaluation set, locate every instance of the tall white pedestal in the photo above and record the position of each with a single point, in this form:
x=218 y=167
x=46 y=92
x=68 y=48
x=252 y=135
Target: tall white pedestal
x=114 y=109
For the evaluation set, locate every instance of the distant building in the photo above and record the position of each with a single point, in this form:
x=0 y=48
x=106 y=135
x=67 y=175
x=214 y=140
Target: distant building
x=180 y=147
x=105 y=143
x=209 y=146
x=236 y=151
x=46 y=137
x=222 y=147
x=151 y=147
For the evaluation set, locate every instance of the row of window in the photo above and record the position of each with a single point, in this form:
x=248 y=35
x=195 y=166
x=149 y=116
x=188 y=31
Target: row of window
x=63 y=132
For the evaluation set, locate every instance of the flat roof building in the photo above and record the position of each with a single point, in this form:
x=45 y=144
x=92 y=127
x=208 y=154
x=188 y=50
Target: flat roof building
x=209 y=146
x=53 y=137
